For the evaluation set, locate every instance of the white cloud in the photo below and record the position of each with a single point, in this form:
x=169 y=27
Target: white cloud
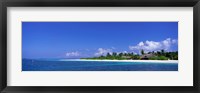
x=174 y=41
x=74 y=54
x=124 y=52
x=154 y=46
x=113 y=48
x=102 y=51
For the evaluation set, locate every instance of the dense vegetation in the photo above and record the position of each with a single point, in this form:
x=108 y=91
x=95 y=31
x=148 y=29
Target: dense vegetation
x=158 y=55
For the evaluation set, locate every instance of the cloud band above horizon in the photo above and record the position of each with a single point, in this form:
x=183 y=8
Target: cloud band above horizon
x=148 y=46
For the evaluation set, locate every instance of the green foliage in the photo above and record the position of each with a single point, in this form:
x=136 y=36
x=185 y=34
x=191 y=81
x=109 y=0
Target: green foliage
x=153 y=58
x=162 y=58
x=158 y=58
x=159 y=55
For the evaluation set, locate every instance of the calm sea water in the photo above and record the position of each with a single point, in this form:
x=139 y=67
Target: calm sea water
x=74 y=65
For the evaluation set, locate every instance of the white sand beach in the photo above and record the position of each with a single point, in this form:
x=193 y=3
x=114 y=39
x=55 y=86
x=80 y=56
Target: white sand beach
x=149 y=61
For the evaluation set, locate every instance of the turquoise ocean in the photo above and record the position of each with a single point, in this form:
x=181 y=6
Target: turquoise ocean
x=79 y=65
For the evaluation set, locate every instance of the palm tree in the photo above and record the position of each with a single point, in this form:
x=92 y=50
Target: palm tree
x=120 y=54
x=142 y=52
x=162 y=52
x=158 y=53
x=114 y=54
x=108 y=55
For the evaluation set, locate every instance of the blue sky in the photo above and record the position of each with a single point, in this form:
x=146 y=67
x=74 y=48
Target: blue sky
x=88 y=39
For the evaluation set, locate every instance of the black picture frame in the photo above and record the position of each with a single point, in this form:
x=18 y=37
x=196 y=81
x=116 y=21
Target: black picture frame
x=99 y=3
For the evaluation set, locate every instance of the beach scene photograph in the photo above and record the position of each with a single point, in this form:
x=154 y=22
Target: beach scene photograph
x=100 y=46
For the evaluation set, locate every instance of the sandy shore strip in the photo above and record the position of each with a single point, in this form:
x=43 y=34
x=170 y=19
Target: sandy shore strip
x=148 y=61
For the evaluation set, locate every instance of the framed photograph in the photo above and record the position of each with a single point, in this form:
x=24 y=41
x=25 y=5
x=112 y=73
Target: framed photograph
x=100 y=46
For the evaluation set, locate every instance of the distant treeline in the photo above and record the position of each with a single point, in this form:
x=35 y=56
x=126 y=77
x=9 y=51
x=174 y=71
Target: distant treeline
x=154 y=55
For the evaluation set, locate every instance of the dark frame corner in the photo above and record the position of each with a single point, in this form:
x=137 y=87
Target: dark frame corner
x=98 y=3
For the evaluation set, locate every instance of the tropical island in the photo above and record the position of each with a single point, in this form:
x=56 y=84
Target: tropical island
x=154 y=55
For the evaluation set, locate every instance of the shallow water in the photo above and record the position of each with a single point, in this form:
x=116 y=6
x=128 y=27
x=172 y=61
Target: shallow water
x=77 y=65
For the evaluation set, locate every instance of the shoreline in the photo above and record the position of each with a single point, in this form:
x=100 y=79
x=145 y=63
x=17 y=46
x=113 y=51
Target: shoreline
x=148 y=61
